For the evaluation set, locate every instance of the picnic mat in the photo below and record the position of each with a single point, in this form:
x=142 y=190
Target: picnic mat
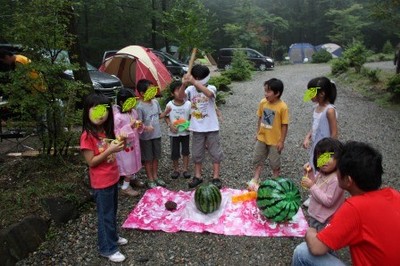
x=240 y=219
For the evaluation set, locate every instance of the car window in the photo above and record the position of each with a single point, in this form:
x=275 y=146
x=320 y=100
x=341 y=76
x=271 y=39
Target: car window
x=251 y=53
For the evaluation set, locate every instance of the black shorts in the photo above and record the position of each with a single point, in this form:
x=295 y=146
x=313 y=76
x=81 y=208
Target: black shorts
x=179 y=146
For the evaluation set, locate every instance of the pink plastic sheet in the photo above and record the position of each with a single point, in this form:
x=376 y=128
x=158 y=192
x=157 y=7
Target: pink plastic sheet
x=240 y=219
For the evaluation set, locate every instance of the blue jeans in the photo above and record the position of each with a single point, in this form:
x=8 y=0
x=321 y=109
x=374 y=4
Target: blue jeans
x=107 y=204
x=302 y=256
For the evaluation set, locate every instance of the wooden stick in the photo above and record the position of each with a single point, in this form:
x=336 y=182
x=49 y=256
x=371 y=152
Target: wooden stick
x=191 y=61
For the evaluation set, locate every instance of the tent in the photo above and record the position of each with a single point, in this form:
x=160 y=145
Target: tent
x=335 y=50
x=301 y=52
x=135 y=62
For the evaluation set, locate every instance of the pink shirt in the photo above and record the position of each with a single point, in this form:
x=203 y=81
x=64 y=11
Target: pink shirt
x=106 y=173
x=326 y=197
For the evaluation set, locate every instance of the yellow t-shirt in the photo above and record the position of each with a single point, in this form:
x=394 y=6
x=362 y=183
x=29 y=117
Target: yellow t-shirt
x=273 y=116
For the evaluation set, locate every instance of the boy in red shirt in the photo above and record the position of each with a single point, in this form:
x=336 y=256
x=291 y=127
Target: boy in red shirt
x=368 y=221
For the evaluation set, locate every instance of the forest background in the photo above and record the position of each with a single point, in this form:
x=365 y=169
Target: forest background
x=269 y=26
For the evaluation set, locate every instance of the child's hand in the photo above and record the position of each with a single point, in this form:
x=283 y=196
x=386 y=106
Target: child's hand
x=173 y=128
x=306 y=182
x=116 y=146
x=167 y=110
x=188 y=78
x=149 y=128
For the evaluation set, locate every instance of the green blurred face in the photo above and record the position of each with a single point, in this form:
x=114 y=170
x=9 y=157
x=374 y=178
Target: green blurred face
x=98 y=114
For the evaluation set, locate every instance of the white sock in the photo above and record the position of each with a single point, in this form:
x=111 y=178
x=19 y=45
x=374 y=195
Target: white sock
x=125 y=185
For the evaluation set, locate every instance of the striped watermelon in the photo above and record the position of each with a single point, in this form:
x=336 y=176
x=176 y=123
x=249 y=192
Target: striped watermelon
x=207 y=198
x=278 y=199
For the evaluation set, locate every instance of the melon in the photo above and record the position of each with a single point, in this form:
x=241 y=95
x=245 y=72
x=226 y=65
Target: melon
x=207 y=198
x=278 y=199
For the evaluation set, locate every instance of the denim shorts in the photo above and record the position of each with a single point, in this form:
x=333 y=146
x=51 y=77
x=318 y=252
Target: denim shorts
x=263 y=151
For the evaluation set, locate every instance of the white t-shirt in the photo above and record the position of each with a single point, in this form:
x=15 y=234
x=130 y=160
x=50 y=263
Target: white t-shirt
x=203 y=113
x=179 y=113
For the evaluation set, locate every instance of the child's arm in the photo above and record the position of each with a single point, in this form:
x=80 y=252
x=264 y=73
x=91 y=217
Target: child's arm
x=200 y=87
x=329 y=196
x=258 y=127
x=165 y=113
x=306 y=142
x=92 y=160
x=281 y=143
x=331 y=115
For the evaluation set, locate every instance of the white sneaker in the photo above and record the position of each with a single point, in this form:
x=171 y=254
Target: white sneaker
x=253 y=184
x=122 y=241
x=116 y=257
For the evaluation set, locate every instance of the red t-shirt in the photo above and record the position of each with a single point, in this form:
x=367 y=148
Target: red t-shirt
x=370 y=225
x=106 y=173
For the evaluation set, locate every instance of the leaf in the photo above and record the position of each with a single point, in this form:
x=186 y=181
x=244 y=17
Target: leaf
x=150 y=93
x=310 y=93
x=129 y=104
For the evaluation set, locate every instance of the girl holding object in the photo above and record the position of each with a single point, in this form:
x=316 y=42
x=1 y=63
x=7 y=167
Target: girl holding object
x=326 y=195
x=126 y=124
x=99 y=146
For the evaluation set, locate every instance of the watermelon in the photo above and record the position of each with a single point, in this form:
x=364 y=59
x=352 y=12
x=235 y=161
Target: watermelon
x=278 y=199
x=207 y=198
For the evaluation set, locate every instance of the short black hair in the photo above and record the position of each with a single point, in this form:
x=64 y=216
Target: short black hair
x=4 y=53
x=123 y=94
x=175 y=85
x=327 y=145
x=276 y=85
x=200 y=72
x=143 y=85
x=363 y=163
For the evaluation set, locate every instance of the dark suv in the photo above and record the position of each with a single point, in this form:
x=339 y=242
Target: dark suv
x=260 y=61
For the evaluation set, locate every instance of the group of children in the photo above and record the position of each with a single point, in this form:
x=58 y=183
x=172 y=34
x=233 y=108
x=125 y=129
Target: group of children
x=117 y=139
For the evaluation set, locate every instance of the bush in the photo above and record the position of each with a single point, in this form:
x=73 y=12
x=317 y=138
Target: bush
x=322 y=56
x=221 y=83
x=388 y=48
x=241 y=67
x=339 y=65
x=356 y=55
x=371 y=74
x=393 y=85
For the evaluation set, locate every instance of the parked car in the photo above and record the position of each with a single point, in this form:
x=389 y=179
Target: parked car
x=102 y=82
x=174 y=66
x=260 y=61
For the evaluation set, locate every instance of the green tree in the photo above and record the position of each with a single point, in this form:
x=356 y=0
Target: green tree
x=188 y=24
x=348 y=24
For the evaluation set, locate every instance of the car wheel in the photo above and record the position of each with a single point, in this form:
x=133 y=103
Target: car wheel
x=262 y=67
x=227 y=67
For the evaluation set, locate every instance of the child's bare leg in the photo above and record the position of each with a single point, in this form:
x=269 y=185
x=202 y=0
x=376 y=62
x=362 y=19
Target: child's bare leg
x=257 y=172
x=216 y=170
x=197 y=170
x=148 y=166
x=185 y=161
x=276 y=173
x=175 y=165
x=155 y=168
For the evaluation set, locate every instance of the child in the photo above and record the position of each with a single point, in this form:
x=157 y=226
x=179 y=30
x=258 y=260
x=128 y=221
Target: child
x=272 y=127
x=203 y=123
x=127 y=125
x=99 y=147
x=149 y=112
x=321 y=91
x=179 y=137
x=326 y=195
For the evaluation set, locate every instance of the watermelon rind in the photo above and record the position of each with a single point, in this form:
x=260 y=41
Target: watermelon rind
x=278 y=199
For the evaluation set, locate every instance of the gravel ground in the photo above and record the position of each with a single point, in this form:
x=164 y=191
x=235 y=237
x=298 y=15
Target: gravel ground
x=359 y=119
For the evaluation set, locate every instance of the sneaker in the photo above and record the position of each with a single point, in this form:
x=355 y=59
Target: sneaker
x=186 y=175
x=130 y=192
x=151 y=184
x=195 y=182
x=307 y=202
x=253 y=184
x=175 y=175
x=217 y=182
x=116 y=257
x=137 y=183
x=122 y=241
x=160 y=182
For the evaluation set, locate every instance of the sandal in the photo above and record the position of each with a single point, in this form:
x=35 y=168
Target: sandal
x=217 y=182
x=175 y=175
x=195 y=182
x=186 y=175
x=151 y=184
x=160 y=182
